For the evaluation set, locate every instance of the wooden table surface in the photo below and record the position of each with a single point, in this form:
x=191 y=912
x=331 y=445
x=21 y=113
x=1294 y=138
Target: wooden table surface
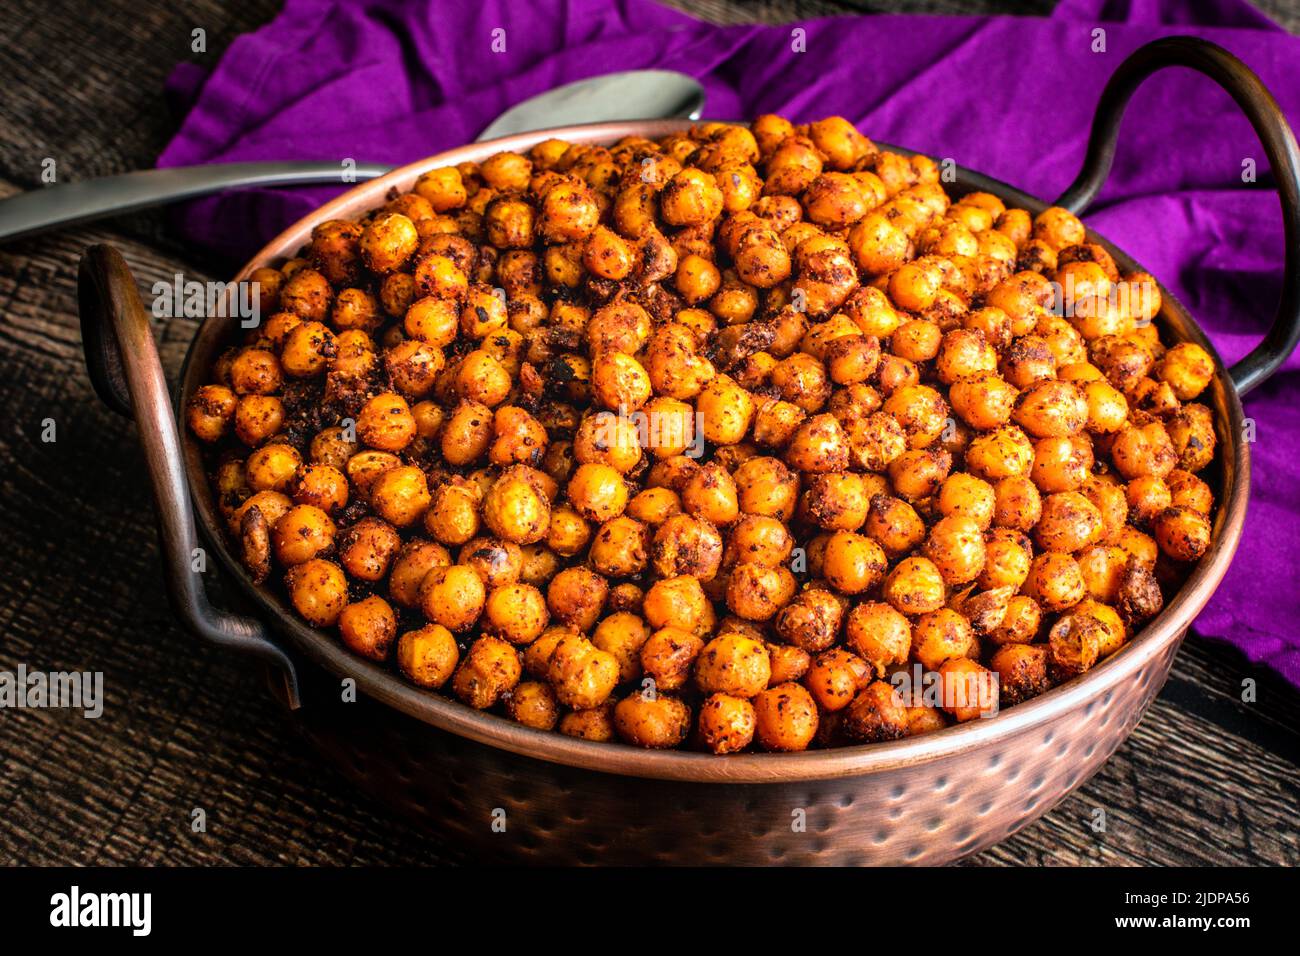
x=1205 y=778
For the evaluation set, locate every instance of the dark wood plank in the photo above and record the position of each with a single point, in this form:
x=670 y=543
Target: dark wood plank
x=1204 y=778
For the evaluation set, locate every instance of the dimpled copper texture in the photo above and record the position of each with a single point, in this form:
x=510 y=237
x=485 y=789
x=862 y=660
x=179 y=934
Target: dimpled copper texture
x=927 y=799
x=930 y=812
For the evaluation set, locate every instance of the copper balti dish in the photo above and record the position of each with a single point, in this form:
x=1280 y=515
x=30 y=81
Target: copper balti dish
x=924 y=800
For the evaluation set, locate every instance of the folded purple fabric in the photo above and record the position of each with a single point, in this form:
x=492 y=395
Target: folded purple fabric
x=395 y=80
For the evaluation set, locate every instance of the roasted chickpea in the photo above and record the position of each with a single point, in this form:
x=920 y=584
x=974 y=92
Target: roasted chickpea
x=679 y=602
x=765 y=486
x=388 y=241
x=302 y=533
x=435 y=321
x=853 y=563
x=971 y=497
x=385 y=422
x=400 y=495
x=677 y=371
x=1051 y=409
x=1069 y=523
x=879 y=635
x=914 y=286
x=308 y=295
x=1005 y=452
x=983 y=400
x=597 y=492
x=607 y=438
x=1186 y=490
x=271 y=505
x=467 y=435
x=956 y=547
x=785 y=718
x=654 y=721
x=877 y=713
x=308 y=349
x=811 y=621
x=1187 y=369
x=1055 y=581
x=691 y=198
x=516 y=612
x=789 y=663
x=255 y=372
x=1021 y=671
x=819 y=445
x=918 y=474
x=210 y=412
x=497 y=561
x=835 y=677
x=569 y=212
x=940 y=636
x=582 y=675
x=761 y=540
x=894 y=525
x=334 y=251
x=1192 y=437
x=490 y=670
x=331 y=447
x=1113 y=634
x=414 y=560
x=595 y=724
x=1182 y=533
x=756 y=593
x=921 y=411
x=726 y=411
x=623 y=635
x=272 y=468
x=257 y=418
x=576 y=596
x=369 y=628
x=668 y=656
x=515 y=507
x=967 y=690
x=428 y=656
x=396 y=293
x=1142 y=450
x=915 y=586
x=533 y=704
x=452 y=596
x=453 y=517
x=619 y=548
x=733 y=664
x=726 y=723
x=1074 y=645
x=367 y=548
x=319 y=591
x=1059 y=228
x=710 y=493
x=442 y=188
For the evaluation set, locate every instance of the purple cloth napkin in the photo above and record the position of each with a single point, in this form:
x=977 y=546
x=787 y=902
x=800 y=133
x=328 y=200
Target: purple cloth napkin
x=395 y=80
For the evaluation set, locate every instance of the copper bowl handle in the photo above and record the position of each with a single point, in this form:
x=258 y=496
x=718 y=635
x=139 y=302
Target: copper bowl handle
x=124 y=368
x=1279 y=145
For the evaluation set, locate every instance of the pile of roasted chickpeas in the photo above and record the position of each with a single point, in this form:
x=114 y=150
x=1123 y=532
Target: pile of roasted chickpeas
x=707 y=441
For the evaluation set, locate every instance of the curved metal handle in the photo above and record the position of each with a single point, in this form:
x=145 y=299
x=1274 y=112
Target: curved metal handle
x=68 y=204
x=1279 y=145
x=127 y=375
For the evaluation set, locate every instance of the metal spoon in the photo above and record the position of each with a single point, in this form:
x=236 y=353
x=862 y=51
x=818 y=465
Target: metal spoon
x=636 y=94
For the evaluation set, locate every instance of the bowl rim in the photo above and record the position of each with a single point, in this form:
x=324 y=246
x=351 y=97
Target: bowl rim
x=445 y=713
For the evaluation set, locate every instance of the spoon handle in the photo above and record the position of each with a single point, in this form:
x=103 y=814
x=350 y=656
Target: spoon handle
x=68 y=204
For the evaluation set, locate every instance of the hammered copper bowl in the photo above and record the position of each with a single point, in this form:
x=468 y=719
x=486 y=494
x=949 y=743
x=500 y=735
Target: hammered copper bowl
x=464 y=773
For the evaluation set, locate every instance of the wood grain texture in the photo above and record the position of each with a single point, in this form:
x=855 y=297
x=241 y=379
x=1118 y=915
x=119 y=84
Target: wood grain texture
x=1205 y=778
